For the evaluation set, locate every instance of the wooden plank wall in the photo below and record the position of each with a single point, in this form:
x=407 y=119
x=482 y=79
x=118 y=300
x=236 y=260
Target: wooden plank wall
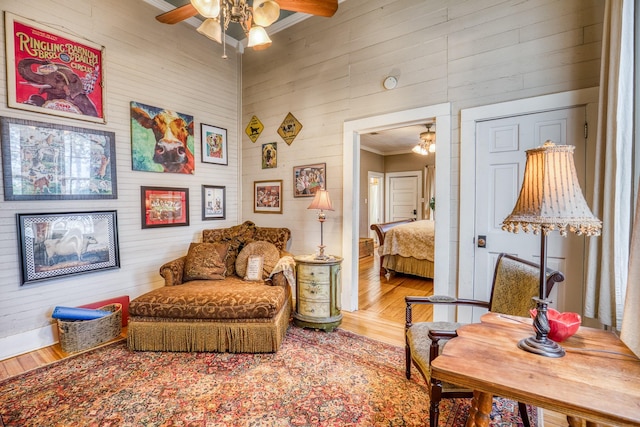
x=145 y=61
x=326 y=71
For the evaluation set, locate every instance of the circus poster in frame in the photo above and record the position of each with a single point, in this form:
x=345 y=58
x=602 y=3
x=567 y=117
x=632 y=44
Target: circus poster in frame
x=51 y=72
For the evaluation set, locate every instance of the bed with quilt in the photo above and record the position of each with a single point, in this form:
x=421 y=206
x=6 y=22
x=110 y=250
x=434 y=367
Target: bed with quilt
x=406 y=247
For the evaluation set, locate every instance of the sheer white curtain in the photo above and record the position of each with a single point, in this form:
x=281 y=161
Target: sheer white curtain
x=630 y=331
x=608 y=255
x=429 y=190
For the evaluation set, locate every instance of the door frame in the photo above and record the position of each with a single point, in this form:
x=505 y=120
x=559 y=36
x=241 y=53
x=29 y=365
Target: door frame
x=469 y=117
x=387 y=181
x=351 y=194
x=380 y=207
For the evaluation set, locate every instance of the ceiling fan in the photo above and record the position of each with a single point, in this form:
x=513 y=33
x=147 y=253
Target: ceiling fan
x=253 y=19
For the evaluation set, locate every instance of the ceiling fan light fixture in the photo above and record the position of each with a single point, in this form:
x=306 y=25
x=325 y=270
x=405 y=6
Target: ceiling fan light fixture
x=210 y=28
x=258 y=38
x=207 y=8
x=420 y=149
x=265 y=12
x=427 y=142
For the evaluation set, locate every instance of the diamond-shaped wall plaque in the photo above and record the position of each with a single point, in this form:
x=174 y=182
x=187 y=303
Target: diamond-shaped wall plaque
x=254 y=129
x=289 y=128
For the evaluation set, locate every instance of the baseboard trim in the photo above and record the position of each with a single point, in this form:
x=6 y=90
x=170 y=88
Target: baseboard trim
x=25 y=342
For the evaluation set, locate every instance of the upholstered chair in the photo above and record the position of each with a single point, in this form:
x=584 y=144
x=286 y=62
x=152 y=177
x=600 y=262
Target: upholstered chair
x=515 y=283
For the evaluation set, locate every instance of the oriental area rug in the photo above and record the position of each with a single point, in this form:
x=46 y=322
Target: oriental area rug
x=315 y=379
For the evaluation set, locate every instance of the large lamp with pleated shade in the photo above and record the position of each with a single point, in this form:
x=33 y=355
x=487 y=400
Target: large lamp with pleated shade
x=550 y=199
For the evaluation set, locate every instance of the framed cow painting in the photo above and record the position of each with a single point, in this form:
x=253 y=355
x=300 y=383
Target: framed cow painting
x=51 y=72
x=161 y=140
x=61 y=244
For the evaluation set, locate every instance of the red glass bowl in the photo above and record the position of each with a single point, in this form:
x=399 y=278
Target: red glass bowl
x=562 y=325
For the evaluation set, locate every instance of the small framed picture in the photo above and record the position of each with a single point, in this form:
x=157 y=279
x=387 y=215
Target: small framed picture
x=267 y=196
x=164 y=207
x=270 y=155
x=213 y=202
x=308 y=179
x=54 y=245
x=214 y=144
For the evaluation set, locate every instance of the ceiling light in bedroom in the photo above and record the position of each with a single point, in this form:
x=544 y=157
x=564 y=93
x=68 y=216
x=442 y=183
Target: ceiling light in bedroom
x=427 y=142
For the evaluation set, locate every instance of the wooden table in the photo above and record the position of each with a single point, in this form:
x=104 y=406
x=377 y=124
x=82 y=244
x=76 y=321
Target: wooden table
x=598 y=380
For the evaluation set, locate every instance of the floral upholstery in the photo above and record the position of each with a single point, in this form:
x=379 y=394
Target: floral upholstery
x=231 y=298
x=229 y=314
x=237 y=236
x=278 y=236
x=206 y=261
x=240 y=235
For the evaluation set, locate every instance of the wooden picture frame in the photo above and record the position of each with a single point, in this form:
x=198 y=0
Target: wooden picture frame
x=267 y=196
x=43 y=161
x=54 y=245
x=308 y=179
x=164 y=207
x=270 y=155
x=214 y=202
x=214 y=144
x=32 y=71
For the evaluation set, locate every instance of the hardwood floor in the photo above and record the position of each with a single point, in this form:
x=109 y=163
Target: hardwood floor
x=381 y=316
x=381 y=307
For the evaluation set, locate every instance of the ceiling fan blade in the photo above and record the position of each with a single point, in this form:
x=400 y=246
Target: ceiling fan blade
x=313 y=7
x=178 y=14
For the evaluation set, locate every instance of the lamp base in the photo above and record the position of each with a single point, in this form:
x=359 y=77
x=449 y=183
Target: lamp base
x=540 y=344
x=543 y=347
x=321 y=255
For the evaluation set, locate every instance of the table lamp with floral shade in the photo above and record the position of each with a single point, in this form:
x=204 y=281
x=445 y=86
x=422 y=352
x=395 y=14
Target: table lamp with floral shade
x=550 y=199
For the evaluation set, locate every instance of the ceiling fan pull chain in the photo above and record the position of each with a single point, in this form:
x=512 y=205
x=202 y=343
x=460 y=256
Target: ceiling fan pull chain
x=224 y=34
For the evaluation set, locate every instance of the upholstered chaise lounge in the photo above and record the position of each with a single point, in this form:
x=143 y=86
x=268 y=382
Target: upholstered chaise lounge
x=206 y=303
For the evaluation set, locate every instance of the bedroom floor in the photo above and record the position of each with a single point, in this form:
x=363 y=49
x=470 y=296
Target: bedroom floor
x=385 y=298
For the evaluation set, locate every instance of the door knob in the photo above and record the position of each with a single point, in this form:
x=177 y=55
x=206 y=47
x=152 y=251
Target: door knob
x=482 y=241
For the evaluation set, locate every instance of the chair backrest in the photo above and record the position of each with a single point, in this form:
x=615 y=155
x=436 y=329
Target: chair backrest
x=515 y=283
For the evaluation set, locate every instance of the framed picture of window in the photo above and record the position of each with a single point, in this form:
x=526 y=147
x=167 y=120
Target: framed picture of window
x=164 y=206
x=214 y=144
x=44 y=161
x=214 y=203
x=267 y=196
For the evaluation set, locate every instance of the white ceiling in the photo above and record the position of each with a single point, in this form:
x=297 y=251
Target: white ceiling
x=393 y=141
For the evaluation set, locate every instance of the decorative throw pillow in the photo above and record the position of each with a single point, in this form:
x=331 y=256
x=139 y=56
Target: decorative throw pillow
x=267 y=250
x=237 y=236
x=206 y=261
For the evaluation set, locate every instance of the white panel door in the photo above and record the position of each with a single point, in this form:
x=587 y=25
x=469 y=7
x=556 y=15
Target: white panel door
x=402 y=195
x=500 y=163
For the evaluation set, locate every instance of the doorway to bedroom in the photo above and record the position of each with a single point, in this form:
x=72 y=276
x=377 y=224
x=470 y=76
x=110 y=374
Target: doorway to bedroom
x=392 y=188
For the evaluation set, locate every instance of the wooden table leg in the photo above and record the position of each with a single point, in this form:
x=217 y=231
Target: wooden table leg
x=480 y=411
x=574 y=421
